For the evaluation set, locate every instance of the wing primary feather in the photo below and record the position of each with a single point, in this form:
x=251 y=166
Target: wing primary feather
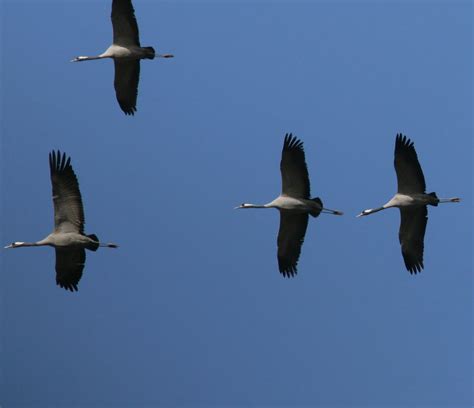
x=68 y=208
x=127 y=77
x=63 y=162
x=413 y=223
x=124 y=23
x=69 y=266
x=294 y=172
x=410 y=176
x=290 y=240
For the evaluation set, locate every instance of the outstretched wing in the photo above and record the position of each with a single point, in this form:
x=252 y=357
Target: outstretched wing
x=294 y=173
x=290 y=239
x=412 y=233
x=409 y=174
x=124 y=23
x=68 y=209
x=69 y=265
x=127 y=75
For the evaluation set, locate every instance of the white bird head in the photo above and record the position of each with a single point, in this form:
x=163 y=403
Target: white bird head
x=80 y=58
x=244 y=205
x=14 y=244
x=365 y=212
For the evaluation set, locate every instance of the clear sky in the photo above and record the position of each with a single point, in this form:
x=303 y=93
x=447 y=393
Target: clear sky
x=191 y=309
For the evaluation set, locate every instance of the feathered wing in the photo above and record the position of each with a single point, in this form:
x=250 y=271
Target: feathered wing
x=411 y=235
x=127 y=76
x=294 y=173
x=409 y=174
x=69 y=265
x=290 y=239
x=68 y=209
x=124 y=23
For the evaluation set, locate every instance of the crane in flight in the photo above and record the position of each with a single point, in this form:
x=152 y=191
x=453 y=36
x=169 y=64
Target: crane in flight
x=294 y=204
x=126 y=53
x=68 y=237
x=412 y=200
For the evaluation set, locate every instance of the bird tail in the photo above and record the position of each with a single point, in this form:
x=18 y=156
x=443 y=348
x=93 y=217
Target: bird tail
x=93 y=246
x=316 y=211
x=150 y=52
x=436 y=199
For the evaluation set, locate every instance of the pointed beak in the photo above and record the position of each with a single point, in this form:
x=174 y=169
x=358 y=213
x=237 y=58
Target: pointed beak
x=236 y=208
x=8 y=246
x=360 y=215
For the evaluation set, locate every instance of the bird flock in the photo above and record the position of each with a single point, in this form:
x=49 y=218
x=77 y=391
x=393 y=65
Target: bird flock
x=294 y=203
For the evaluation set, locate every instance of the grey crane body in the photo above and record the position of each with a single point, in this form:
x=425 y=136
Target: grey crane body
x=412 y=201
x=126 y=53
x=68 y=236
x=65 y=240
x=312 y=207
x=294 y=205
x=405 y=200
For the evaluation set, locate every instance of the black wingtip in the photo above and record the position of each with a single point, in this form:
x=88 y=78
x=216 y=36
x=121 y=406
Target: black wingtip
x=402 y=141
x=290 y=272
x=129 y=111
x=72 y=287
x=292 y=142
x=59 y=161
x=414 y=267
x=286 y=268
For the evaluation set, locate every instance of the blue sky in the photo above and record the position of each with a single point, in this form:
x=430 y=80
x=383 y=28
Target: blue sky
x=191 y=310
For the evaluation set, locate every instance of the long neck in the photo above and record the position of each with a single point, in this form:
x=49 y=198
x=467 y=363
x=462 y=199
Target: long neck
x=247 y=205
x=28 y=244
x=257 y=206
x=85 y=58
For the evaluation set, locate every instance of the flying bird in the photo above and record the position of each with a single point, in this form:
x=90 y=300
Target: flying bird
x=68 y=237
x=294 y=204
x=412 y=200
x=126 y=53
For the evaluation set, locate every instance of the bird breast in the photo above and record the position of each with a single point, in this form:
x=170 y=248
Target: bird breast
x=403 y=200
x=67 y=239
x=292 y=204
x=125 y=52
